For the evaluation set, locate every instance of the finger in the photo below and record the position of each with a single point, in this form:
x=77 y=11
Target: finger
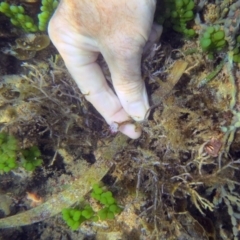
x=124 y=61
x=79 y=54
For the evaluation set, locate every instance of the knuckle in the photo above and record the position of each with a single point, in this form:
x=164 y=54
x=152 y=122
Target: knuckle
x=125 y=47
x=131 y=88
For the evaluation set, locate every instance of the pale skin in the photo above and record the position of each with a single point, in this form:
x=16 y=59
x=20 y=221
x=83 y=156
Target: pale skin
x=120 y=30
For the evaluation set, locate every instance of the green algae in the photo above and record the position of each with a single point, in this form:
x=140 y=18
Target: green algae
x=76 y=190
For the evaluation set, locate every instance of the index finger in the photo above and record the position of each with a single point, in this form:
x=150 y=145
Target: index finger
x=80 y=55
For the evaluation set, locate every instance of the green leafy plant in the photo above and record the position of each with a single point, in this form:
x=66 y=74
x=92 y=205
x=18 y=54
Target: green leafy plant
x=177 y=14
x=31 y=158
x=20 y=19
x=75 y=217
x=236 y=51
x=236 y=55
x=8 y=152
x=106 y=198
x=213 y=39
x=47 y=9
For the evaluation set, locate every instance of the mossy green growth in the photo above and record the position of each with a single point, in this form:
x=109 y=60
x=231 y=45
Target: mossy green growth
x=213 y=39
x=47 y=9
x=18 y=17
x=8 y=152
x=31 y=158
x=75 y=217
x=176 y=14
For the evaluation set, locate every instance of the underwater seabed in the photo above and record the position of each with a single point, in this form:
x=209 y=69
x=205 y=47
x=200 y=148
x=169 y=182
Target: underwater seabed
x=179 y=180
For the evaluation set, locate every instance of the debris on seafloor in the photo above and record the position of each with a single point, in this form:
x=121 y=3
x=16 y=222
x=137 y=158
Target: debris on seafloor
x=27 y=46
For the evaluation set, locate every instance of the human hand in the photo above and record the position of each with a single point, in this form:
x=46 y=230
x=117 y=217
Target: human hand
x=119 y=30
